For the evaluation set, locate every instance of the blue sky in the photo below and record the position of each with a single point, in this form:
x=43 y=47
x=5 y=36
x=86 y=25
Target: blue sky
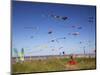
x=31 y=23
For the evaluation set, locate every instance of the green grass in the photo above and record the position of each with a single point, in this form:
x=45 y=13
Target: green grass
x=52 y=64
x=87 y=63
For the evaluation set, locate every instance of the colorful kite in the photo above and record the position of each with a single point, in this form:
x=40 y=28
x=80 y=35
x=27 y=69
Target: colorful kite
x=16 y=53
x=21 y=55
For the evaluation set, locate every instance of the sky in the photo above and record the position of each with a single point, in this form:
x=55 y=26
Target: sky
x=32 y=22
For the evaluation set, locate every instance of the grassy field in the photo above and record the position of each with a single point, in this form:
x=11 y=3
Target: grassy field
x=53 y=64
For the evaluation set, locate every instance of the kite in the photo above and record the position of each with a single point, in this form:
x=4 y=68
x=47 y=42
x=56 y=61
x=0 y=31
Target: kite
x=64 y=18
x=52 y=40
x=58 y=39
x=80 y=42
x=21 y=55
x=60 y=48
x=55 y=40
x=79 y=27
x=49 y=32
x=16 y=52
x=59 y=17
x=30 y=28
x=76 y=33
x=22 y=51
x=73 y=26
x=63 y=53
x=90 y=19
x=61 y=38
